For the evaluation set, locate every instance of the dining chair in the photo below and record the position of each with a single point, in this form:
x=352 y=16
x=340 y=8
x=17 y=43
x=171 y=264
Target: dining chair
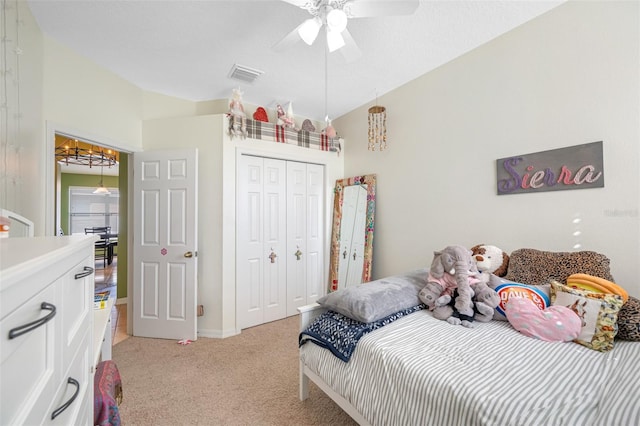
x=102 y=245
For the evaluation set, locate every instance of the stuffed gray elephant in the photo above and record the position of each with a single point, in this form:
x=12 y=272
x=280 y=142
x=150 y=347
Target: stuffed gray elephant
x=450 y=270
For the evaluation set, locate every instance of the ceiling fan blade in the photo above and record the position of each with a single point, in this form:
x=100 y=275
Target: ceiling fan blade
x=350 y=51
x=373 y=8
x=298 y=3
x=287 y=41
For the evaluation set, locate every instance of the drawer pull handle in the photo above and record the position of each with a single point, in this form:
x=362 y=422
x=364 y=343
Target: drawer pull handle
x=87 y=270
x=23 y=329
x=66 y=405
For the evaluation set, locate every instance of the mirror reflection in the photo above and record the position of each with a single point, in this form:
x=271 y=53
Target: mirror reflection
x=352 y=233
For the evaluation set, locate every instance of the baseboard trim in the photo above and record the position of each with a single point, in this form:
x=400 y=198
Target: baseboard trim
x=217 y=334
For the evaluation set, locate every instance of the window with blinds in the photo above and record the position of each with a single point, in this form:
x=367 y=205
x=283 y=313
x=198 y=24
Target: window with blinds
x=87 y=209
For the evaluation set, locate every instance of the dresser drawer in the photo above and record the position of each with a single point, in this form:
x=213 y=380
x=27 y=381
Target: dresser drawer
x=28 y=361
x=76 y=288
x=70 y=401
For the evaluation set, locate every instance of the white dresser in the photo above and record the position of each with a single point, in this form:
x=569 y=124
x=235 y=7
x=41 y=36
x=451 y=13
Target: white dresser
x=46 y=327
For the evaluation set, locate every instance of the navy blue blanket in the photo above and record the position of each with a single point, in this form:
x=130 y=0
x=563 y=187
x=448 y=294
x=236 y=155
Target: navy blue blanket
x=340 y=334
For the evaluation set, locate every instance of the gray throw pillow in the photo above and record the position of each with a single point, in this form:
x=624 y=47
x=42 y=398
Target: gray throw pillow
x=377 y=299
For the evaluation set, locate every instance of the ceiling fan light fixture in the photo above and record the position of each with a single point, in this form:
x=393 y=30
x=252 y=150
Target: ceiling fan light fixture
x=334 y=40
x=309 y=29
x=337 y=20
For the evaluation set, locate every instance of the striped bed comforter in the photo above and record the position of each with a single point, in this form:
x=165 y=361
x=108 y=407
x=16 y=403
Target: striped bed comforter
x=422 y=371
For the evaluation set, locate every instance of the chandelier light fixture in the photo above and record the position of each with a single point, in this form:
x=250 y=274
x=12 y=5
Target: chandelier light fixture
x=377 y=128
x=79 y=154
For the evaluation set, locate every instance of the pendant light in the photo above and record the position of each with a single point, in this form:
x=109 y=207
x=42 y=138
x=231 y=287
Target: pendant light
x=101 y=190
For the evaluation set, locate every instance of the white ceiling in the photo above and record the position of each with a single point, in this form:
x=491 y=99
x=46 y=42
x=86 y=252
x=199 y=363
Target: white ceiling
x=186 y=48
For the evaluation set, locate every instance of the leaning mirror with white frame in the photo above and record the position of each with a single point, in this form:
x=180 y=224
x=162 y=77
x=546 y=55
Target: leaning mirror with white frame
x=352 y=233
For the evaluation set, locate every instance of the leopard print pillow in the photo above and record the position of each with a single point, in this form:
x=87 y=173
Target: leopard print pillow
x=629 y=320
x=536 y=267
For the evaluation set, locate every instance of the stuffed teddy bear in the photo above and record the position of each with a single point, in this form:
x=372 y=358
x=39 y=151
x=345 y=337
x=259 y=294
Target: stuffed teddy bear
x=491 y=263
x=450 y=270
x=490 y=260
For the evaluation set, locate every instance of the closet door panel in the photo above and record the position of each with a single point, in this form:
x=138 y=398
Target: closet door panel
x=280 y=229
x=250 y=254
x=275 y=224
x=315 y=282
x=296 y=235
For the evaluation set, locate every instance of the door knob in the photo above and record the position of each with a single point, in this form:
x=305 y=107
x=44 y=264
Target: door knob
x=188 y=254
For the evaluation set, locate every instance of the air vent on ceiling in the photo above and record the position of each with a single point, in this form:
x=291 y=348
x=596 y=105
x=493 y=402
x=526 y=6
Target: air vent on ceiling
x=245 y=74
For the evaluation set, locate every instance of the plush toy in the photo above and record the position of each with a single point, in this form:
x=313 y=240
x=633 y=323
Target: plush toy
x=285 y=119
x=491 y=263
x=329 y=130
x=448 y=312
x=450 y=270
x=308 y=126
x=237 y=116
x=261 y=115
x=483 y=303
x=485 y=300
x=490 y=260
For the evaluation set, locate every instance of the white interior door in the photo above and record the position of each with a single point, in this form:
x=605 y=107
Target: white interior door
x=165 y=244
x=261 y=241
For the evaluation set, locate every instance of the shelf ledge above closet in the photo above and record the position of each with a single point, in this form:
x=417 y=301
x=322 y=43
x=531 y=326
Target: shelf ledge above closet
x=274 y=133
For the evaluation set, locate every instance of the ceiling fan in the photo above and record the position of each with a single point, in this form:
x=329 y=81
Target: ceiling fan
x=334 y=16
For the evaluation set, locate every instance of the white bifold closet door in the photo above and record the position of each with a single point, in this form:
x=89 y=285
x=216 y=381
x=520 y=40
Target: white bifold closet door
x=280 y=250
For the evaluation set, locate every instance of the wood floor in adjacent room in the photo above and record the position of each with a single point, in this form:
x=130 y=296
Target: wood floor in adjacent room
x=106 y=279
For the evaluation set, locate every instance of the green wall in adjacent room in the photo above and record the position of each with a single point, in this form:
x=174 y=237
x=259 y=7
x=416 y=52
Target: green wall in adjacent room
x=123 y=248
x=121 y=182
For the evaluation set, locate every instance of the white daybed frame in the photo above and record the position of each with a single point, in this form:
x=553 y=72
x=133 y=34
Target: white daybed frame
x=309 y=313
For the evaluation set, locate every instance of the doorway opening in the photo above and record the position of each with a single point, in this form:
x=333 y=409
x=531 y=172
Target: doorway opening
x=90 y=193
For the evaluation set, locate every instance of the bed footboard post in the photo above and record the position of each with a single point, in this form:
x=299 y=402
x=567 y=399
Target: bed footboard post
x=303 y=389
x=307 y=314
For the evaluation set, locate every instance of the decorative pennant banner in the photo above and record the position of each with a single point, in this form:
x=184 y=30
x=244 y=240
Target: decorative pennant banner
x=574 y=167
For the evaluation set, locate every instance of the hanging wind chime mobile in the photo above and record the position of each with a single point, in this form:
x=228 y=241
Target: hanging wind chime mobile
x=377 y=128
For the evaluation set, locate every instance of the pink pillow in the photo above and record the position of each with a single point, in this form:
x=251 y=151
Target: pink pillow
x=553 y=324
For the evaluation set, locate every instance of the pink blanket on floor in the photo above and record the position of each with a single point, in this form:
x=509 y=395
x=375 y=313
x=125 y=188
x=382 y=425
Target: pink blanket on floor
x=107 y=394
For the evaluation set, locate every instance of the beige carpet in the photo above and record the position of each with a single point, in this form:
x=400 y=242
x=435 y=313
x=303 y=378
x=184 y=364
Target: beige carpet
x=249 y=379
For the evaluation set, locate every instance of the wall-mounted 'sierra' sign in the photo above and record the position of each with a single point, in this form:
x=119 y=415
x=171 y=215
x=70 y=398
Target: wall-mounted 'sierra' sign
x=574 y=167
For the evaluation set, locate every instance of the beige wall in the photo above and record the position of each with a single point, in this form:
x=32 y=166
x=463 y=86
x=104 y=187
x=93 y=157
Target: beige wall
x=566 y=78
x=21 y=127
x=80 y=94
